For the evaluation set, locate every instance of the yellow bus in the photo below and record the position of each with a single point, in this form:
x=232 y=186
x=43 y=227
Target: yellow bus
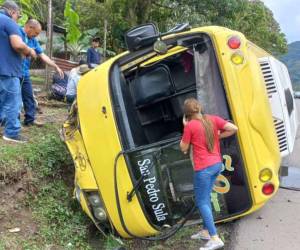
x=124 y=131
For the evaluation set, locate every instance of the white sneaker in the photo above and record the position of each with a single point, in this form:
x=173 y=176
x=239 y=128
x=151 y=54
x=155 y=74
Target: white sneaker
x=17 y=139
x=202 y=235
x=213 y=244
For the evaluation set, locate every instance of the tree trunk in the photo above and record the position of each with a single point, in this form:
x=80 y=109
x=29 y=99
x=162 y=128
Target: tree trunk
x=49 y=43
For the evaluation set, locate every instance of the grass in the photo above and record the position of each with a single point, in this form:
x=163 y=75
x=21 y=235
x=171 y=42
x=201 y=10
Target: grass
x=45 y=154
x=59 y=219
x=38 y=80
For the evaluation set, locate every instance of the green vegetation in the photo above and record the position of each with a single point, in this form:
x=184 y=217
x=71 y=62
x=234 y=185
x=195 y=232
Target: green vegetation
x=292 y=60
x=59 y=217
x=252 y=18
x=71 y=23
x=55 y=213
x=31 y=8
x=37 y=80
x=45 y=155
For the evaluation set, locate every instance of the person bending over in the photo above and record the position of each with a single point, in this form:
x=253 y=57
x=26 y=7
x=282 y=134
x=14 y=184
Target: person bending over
x=73 y=80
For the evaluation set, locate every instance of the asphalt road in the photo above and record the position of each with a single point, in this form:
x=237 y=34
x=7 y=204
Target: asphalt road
x=277 y=224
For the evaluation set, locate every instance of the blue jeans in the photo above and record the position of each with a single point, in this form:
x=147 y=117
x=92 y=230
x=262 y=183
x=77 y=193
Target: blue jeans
x=203 y=184
x=28 y=100
x=10 y=103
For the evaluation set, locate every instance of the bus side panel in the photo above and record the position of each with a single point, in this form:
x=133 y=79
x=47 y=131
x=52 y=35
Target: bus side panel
x=102 y=144
x=247 y=98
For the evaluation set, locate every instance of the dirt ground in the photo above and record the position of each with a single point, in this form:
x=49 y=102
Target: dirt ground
x=15 y=217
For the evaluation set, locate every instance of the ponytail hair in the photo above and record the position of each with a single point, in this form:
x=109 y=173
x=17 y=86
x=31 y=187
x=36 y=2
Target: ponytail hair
x=192 y=109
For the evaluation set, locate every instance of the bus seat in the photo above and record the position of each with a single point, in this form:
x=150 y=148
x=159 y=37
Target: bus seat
x=134 y=123
x=152 y=84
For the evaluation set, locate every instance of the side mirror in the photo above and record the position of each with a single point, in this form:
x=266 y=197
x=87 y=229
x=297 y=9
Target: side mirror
x=141 y=36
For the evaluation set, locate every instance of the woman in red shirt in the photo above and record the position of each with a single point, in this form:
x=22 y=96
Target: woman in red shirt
x=203 y=132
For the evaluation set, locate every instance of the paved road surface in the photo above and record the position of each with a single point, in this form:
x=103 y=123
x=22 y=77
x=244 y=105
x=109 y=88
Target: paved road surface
x=277 y=225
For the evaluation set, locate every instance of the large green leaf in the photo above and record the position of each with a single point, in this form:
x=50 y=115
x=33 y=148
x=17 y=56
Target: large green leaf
x=72 y=24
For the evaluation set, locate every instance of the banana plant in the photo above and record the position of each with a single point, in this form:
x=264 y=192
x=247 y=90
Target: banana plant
x=71 y=24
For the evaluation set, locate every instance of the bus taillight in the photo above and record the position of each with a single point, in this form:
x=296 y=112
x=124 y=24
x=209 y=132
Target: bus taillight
x=268 y=189
x=234 y=42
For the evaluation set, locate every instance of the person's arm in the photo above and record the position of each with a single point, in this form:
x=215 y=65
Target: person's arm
x=184 y=145
x=15 y=39
x=229 y=129
x=46 y=59
x=19 y=46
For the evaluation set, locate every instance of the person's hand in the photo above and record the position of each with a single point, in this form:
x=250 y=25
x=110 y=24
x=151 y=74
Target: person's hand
x=32 y=54
x=60 y=72
x=184 y=120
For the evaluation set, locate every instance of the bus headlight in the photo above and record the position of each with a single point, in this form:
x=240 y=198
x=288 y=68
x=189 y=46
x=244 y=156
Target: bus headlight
x=77 y=193
x=100 y=213
x=237 y=58
x=265 y=175
x=94 y=199
x=97 y=206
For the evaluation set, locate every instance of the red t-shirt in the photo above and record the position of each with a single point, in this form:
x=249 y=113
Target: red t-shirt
x=194 y=133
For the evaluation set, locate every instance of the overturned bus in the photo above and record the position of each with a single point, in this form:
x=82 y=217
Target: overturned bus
x=124 y=131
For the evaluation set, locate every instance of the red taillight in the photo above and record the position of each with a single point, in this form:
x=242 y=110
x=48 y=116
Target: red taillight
x=234 y=42
x=268 y=188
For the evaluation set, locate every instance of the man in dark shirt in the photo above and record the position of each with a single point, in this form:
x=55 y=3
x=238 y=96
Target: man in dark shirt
x=12 y=48
x=94 y=57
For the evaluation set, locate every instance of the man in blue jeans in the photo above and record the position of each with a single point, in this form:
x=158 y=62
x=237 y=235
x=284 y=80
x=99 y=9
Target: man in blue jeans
x=29 y=33
x=12 y=48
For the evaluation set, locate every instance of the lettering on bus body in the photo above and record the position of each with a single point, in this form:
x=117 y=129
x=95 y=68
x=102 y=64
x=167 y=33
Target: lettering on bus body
x=222 y=185
x=151 y=186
